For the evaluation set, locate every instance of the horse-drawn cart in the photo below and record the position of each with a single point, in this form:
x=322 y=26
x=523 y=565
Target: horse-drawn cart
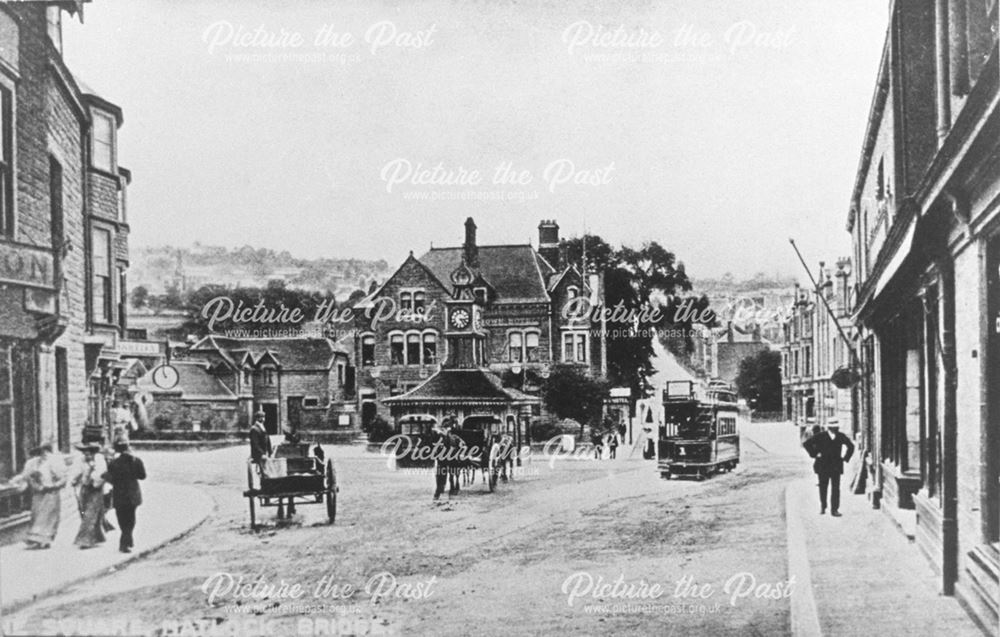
x=294 y=475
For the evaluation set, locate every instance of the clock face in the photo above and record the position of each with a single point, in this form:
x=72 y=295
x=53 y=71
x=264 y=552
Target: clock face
x=165 y=376
x=459 y=318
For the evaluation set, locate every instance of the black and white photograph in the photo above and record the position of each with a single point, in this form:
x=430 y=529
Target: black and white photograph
x=499 y=317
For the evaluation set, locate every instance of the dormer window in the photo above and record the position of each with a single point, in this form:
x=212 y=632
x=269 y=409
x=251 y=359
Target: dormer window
x=247 y=378
x=572 y=292
x=103 y=135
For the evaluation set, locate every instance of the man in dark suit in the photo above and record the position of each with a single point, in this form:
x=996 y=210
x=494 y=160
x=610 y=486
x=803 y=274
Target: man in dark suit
x=124 y=473
x=827 y=448
x=260 y=443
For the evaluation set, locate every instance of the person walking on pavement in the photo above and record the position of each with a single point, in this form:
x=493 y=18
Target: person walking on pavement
x=44 y=474
x=90 y=496
x=124 y=473
x=827 y=449
x=612 y=444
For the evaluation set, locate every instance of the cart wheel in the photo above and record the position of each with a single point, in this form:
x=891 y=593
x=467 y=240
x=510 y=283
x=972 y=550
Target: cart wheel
x=331 y=491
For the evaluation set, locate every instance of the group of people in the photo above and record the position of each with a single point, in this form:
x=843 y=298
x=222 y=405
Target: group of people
x=100 y=478
x=610 y=439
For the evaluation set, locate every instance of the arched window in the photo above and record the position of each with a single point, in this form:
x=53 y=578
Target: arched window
x=430 y=348
x=396 y=355
x=367 y=350
x=413 y=348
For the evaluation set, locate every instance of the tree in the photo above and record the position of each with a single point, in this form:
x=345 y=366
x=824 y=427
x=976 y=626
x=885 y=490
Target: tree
x=638 y=279
x=140 y=297
x=759 y=380
x=271 y=298
x=569 y=393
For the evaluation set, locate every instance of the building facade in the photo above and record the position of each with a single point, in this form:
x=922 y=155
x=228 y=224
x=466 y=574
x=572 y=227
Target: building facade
x=306 y=383
x=814 y=347
x=522 y=291
x=63 y=243
x=925 y=223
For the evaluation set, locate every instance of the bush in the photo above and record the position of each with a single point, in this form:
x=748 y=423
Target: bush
x=545 y=431
x=379 y=430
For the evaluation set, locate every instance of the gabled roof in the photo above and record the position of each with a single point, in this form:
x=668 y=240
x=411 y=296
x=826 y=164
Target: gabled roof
x=516 y=272
x=194 y=381
x=460 y=386
x=369 y=299
x=291 y=353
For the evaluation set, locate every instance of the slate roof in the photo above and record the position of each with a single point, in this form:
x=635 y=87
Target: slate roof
x=516 y=272
x=194 y=380
x=291 y=353
x=460 y=386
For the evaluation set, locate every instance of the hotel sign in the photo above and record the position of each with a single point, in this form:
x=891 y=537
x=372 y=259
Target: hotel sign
x=28 y=266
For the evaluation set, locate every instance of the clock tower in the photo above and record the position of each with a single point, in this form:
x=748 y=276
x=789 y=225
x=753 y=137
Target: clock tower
x=466 y=340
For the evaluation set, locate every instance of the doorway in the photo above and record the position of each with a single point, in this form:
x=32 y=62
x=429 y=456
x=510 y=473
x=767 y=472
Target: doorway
x=270 y=417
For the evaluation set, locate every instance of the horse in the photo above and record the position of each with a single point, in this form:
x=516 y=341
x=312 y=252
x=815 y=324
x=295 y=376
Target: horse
x=449 y=450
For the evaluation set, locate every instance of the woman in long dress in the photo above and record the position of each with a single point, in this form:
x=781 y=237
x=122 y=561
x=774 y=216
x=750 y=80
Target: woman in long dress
x=90 y=497
x=45 y=476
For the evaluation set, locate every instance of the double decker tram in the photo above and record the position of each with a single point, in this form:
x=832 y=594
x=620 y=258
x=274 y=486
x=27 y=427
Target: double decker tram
x=699 y=435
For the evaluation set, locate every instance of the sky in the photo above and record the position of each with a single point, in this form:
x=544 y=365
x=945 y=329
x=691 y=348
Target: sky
x=718 y=128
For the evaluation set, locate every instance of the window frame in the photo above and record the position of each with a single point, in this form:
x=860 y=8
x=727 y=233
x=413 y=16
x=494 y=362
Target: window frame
x=111 y=142
x=367 y=340
x=8 y=217
x=104 y=314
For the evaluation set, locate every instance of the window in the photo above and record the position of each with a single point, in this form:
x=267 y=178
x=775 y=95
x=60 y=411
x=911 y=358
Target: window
x=418 y=301
x=367 y=351
x=247 y=377
x=7 y=431
x=406 y=300
x=413 y=349
x=531 y=347
x=104 y=142
x=574 y=347
x=56 y=218
x=101 y=264
x=515 y=347
x=795 y=363
x=6 y=163
x=121 y=203
x=396 y=354
x=572 y=292
x=53 y=26
x=340 y=376
x=430 y=349
x=807 y=363
x=269 y=376
x=480 y=294
x=310 y=402
x=122 y=297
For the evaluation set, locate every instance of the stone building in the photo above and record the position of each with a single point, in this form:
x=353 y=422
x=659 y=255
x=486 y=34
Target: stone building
x=63 y=243
x=718 y=352
x=925 y=224
x=814 y=348
x=522 y=291
x=299 y=381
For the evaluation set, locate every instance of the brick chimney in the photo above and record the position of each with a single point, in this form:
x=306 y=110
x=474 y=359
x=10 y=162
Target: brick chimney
x=470 y=249
x=548 y=242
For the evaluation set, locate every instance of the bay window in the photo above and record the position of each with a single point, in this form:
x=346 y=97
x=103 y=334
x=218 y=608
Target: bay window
x=101 y=268
x=103 y=136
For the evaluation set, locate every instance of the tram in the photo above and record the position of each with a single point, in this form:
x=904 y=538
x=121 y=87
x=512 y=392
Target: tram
x=699 y=434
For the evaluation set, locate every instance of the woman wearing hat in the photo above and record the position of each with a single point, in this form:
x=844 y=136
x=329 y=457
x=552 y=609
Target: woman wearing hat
x=45 y=476
x=90 y=496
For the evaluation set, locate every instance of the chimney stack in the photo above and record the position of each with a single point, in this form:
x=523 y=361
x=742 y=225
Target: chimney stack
x=470 y=249
x=548 y=243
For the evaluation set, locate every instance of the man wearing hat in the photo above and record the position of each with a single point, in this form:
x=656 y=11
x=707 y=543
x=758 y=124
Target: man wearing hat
x=124 y=473
x=827 y=449
x=260 y=443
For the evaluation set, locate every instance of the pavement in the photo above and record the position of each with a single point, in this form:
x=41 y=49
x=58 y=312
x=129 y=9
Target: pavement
x=857 y=574
x=168 y=512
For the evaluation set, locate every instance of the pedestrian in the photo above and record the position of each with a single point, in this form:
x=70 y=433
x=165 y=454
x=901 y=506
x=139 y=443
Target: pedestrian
x=827 y=449
x=121 y=419
x=124 y=473
x=598 y=442
x=621 y=433
x=260 y=443
x=90 y=496
x=44 y=474
x=612 y=444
